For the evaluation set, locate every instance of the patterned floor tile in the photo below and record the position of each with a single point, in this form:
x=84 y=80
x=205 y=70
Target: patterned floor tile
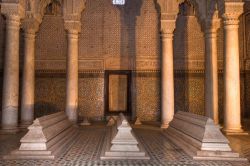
x=86 y=151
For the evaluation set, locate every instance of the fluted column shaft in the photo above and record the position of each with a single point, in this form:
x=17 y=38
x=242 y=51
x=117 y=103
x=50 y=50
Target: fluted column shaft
x=167 y=82
x=72 y=76
x=28 y=82
x=11 y=75
x=211 y=75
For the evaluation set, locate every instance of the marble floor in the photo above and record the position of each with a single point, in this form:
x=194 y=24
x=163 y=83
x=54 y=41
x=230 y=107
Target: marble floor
x=86 y=150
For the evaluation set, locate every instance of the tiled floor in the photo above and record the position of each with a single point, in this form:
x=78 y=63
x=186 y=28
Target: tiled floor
x=87 y=149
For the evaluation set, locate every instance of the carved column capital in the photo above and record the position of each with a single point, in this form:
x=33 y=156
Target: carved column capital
x=30 y=25
x=73 y=27
x=72 y=15
x=13 y=9
x=211 y=25
x=232 y=12
x=168 y=27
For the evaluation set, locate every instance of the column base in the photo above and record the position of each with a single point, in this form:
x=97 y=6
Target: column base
x=234 y=132
x=164 y=126
x=9 y=130
x=25 y=125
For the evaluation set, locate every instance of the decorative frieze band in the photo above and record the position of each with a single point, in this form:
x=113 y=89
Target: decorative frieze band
x=126 y=64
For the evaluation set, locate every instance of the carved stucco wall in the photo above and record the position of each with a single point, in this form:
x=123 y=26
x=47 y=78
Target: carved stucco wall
x=130 y=31
x=51 y=44
x=51 y=40
x=189 y=43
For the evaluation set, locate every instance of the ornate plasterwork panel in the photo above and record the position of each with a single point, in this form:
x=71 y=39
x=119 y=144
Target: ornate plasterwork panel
x=51 y=41
x=189 y=42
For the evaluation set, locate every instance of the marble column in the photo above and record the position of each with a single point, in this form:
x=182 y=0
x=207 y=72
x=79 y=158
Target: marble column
x=232 y=111
x=11 y=75
x=167 y=80
x=211 y=70
x=28 y=82
x=72 y=76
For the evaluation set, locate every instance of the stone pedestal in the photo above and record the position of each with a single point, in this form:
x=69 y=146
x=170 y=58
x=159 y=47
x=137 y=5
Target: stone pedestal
x=72 y=76
x=11 y=75
x=28 y=84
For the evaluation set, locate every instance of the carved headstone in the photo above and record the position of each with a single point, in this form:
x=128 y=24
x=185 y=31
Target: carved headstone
x=199 y=137
x=47 y=138
x=124 y=144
